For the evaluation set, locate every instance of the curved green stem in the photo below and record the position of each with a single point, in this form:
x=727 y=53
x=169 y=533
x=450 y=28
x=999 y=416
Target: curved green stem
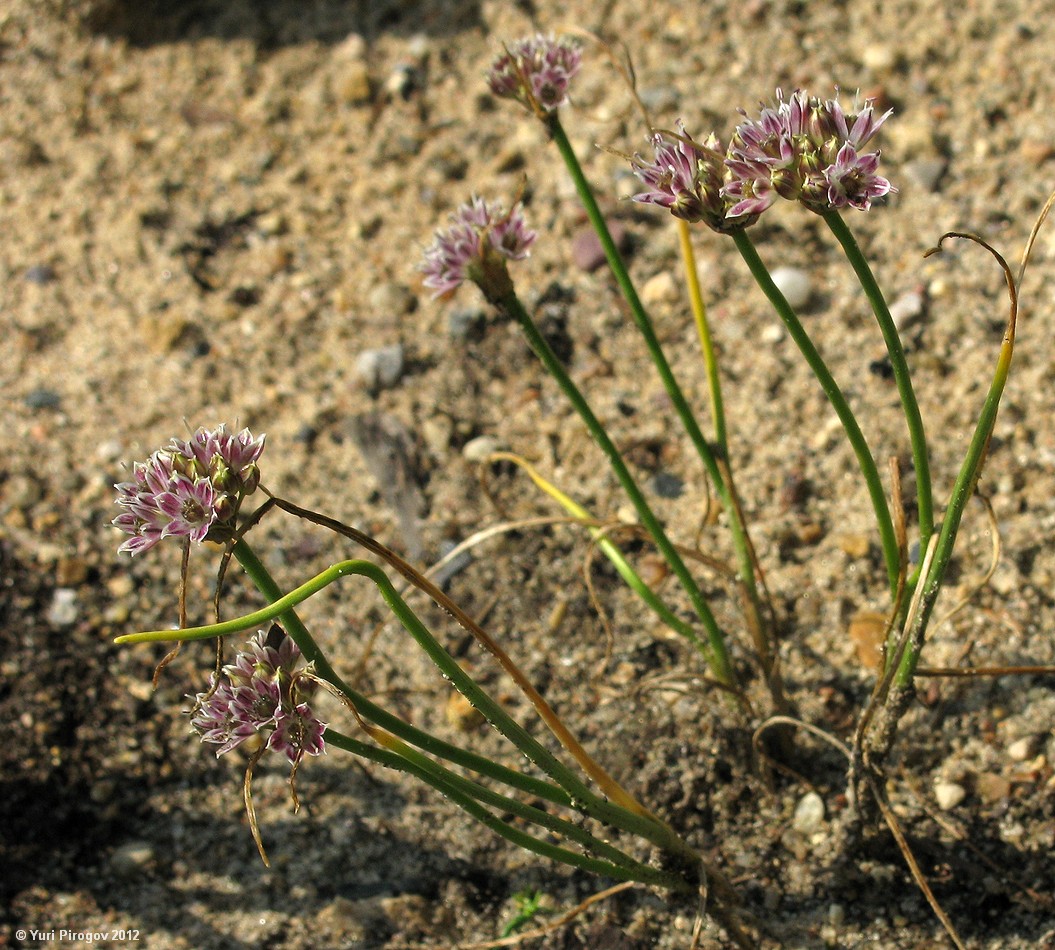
x=397 y=757
x=741 y=542
x=471 y=797
x=902 y=377
x=965 y=480
x=282 y=609
x=640 y=822
x=887 y=535
x=718 y=656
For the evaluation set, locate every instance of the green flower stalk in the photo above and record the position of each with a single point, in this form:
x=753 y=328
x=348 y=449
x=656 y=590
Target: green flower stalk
x=865 y=459
x=453 y=258
x=515 y=75
x=902 y=377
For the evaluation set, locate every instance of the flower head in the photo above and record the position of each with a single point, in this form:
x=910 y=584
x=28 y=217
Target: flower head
x=261 y=699
x=189 y=489
x=687 y=178
x=536 y=71
x=475 y=246
x=807 y=150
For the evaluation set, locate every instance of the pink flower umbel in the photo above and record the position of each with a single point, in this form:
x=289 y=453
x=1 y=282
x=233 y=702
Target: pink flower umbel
x=687 y=178
x=262 y=700
x=479 y=241
x=189 y=489
x=807 y=150
x=536 y=72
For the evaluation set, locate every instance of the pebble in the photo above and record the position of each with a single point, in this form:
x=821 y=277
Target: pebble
x=461 y=714
x=992 y=788
x=380 y=368
x=586 y=250
x=64 y=608
x=478 y=449
x=948 y=795
x=437 y=432
x=879 y=57
x=794 y=284
x=71 y=571
x=40 y=274
x=465 y=324
x=392 y=300
x=354 y=85
x=854 y=545
x=809 y=813
x=667 y=485
x=132 y=859
x=402 y=82
x=1022 y=749
x=907 y=309
x=926 y=172
x=660 y=288
x=773 y=333
x=42 y=399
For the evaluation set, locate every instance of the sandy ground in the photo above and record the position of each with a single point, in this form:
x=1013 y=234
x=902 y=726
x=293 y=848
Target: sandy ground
x=211 y=210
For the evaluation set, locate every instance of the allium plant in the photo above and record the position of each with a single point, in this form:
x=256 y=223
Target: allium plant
x=262 y=701
x=803 y=149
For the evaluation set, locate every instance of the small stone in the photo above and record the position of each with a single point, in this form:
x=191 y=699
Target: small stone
x=794 y=284
x=392 y=300
x=948 y=795
x=1036 y=151
x=879 y=57
x=402 y=82
x=122 y=585
x=810 y=532
x=773 y=333
x=991 y=788
x=809 y=813
x=64 y=609
x=667 y=485
x=907 y=309
x=586 y=250
x=1022 y=749
x=272 y=223
x=868 y=631
x=926 y=172
x=854 y=545
x=42 y=399
x=461 y=714
x=71 y=571
x=132 y=859
x=660 y=288
x=353 y=87
x=380 y=368
x=465 y=325
x=40 y=274
x=480 y=448
x=437 y=432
